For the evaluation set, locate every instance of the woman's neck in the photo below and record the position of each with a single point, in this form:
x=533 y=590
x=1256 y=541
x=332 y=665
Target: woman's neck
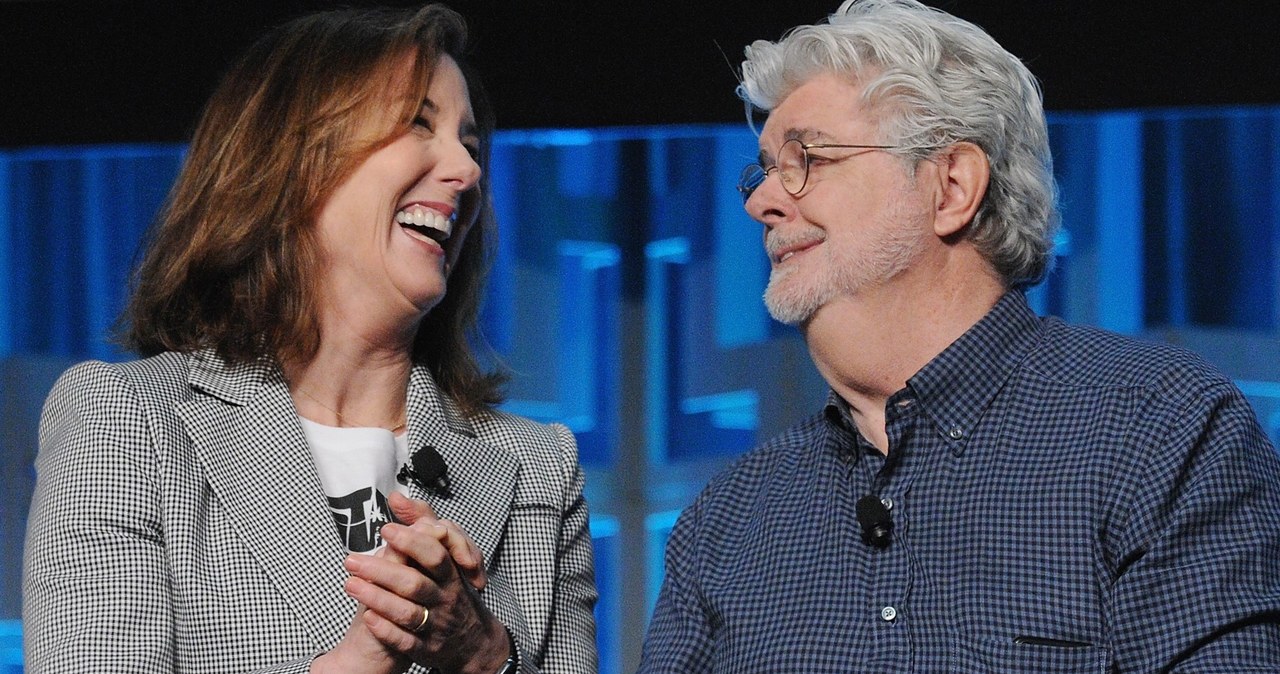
x=352 y=384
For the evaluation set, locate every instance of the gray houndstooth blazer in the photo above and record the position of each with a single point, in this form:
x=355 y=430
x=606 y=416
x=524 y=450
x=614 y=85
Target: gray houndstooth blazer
x=178 y=524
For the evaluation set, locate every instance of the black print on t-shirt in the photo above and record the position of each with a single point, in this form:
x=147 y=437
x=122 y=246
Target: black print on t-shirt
x=360 y=516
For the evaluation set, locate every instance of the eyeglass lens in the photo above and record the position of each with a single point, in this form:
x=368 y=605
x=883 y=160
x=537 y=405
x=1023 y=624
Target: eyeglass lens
x=792 y=166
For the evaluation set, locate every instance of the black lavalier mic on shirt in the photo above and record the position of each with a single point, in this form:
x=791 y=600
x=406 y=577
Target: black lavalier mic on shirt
x=429 y=471
x=877 y=525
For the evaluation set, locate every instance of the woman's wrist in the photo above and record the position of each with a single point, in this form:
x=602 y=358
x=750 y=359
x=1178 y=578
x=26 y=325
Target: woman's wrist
x=512 y=663
x=342 y=660
x=499 y=660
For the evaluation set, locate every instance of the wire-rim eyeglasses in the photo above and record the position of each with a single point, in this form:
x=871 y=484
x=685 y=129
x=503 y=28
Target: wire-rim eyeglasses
x=793 y=165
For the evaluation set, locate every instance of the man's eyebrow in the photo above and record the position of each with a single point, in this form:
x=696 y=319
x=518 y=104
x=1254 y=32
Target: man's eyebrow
x=802 y=134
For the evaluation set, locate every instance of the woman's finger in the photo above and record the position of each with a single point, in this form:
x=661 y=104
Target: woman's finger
x=391 y=579
x=391 y=634
x=410 y=613
x=466 y=554
x=410 y=510
x=407 y=511
x=424 y=545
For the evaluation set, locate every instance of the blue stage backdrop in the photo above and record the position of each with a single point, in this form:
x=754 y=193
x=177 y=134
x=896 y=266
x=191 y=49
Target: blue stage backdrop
x=626 y=296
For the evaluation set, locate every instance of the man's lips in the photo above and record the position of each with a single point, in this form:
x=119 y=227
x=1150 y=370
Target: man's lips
x=781 y=253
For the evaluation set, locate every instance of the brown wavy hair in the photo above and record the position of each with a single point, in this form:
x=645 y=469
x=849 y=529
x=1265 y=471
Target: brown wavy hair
x=229 y=262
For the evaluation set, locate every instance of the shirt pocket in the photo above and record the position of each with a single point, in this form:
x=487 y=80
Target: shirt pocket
x=979 y=656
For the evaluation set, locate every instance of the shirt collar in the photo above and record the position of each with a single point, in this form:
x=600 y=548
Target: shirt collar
x=836 y=411
x=957 y=386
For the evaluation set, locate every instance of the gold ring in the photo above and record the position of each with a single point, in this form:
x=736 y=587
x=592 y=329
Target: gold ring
x=426 y=613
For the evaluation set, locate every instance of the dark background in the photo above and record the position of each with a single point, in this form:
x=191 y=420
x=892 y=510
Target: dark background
x=79 y=72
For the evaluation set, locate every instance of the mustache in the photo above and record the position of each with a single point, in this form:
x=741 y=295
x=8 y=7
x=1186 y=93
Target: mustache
x=776 y=242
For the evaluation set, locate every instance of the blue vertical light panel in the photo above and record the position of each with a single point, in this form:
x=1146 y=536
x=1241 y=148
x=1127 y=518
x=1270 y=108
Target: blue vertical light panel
x=741 y=267
x=497 y=321
x=660 y=257
x=605 y=543
x=1119 y=218
x=657 y=528
x=1176 y=222
x=587 y=372
x=10 y=647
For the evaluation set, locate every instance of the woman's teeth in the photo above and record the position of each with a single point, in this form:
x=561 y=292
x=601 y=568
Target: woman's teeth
x=435 y=224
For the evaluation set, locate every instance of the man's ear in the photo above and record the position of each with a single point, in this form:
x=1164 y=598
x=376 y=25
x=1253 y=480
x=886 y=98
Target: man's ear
x=964 y=172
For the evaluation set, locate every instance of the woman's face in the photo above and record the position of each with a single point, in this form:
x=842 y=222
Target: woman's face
x=392 y=229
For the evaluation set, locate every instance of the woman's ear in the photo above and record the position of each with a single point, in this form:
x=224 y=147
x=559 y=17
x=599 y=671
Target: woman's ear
x=964 y=171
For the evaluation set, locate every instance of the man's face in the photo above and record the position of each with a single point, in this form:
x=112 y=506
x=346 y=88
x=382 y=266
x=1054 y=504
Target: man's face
x=859 y=222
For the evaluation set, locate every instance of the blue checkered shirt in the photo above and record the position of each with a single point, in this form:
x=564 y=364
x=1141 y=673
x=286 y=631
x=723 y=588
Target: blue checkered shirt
x=1063 y=500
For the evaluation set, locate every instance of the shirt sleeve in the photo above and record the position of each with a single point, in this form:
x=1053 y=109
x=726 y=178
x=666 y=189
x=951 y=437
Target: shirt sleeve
x=1198 y=557
x=681 y=633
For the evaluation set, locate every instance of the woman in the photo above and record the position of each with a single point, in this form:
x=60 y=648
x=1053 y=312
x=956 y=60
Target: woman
x=205 y=509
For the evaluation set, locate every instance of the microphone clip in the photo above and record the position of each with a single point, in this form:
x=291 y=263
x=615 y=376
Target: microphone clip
x=428 y=471
x=876 y=523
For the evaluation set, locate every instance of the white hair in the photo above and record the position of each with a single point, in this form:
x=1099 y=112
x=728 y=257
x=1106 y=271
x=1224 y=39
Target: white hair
x=937 y=80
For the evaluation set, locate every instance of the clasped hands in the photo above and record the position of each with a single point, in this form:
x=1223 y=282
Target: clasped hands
x=419 y=601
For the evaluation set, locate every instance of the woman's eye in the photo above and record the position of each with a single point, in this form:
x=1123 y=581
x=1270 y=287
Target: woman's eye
x=422 y=122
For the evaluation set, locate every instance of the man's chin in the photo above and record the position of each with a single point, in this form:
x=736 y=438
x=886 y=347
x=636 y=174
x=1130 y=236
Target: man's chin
x=787 y=309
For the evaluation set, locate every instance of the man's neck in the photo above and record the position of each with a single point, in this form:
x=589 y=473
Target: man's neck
x=866 y=347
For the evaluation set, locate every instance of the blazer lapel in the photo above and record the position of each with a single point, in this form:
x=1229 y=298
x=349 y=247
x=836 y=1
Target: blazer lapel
x=483 y=475
x=246 y=434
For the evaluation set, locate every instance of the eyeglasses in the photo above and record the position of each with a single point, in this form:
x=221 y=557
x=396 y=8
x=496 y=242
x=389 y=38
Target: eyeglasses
x=793 y=166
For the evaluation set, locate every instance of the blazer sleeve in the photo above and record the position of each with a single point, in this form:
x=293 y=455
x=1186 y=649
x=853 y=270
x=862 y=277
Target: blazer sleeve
x=571 y=645
x=96 y=583
x=94 y=571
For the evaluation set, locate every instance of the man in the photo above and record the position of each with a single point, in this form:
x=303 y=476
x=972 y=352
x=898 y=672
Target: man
x=985 y=490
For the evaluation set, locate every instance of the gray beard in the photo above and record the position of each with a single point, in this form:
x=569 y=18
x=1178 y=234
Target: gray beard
x=795 y=302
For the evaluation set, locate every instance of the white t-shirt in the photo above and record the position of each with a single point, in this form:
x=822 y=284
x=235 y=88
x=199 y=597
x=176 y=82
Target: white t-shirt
x=357 y=468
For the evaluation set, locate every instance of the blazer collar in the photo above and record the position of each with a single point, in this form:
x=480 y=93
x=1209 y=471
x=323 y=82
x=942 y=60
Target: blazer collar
x=246 y=435
x=483 y=475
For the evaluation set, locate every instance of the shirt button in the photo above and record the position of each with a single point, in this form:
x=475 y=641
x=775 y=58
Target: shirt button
x=887 y=503
x=955 y=433
x=888 y=613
